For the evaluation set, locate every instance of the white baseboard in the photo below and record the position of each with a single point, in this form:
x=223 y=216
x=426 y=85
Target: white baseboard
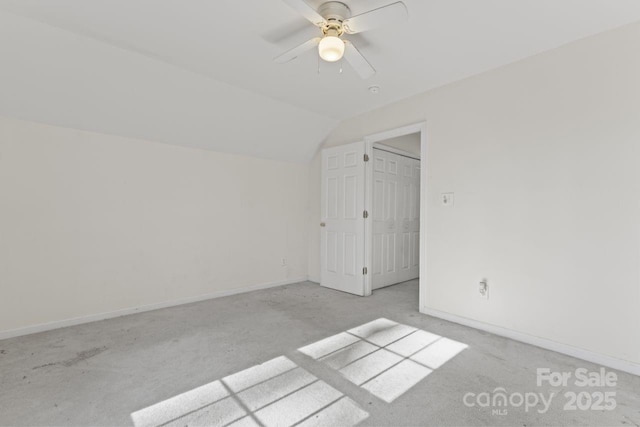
x=589 y=356
x=42 y=327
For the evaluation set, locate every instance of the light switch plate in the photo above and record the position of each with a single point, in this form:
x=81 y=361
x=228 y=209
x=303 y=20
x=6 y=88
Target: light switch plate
x=447 y=199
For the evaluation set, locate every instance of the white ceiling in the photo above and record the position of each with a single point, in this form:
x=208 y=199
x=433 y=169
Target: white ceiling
x=199 y=73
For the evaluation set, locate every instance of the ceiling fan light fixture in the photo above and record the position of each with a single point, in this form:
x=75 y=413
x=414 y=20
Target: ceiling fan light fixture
x=331 y=48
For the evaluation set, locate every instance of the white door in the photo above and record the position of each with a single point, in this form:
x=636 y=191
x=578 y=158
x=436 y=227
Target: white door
x=396 y=218
x=342 y=219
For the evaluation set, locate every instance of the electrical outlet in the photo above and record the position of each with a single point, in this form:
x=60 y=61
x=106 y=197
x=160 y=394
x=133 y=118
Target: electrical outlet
x=483 y=289
x=283 y=262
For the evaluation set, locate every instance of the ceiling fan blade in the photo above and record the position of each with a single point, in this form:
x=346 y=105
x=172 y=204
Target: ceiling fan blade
x=307 y=11
x=357 y=61
x=385 y=15
x=291 y=33
x=297 y=51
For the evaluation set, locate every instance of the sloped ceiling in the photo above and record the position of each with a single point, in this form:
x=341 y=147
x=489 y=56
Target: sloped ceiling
x=199 y=73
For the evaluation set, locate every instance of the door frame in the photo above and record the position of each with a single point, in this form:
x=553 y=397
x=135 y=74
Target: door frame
x=369 y=141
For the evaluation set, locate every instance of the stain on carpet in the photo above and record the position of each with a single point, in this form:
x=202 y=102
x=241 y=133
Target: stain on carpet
x=79 y=357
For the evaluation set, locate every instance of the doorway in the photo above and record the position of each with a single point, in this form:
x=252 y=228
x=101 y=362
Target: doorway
x=395 y=213
x=372 y=218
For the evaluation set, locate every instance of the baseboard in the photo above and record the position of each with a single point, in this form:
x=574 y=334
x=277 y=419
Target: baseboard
x=589 y=356
x=119 y=313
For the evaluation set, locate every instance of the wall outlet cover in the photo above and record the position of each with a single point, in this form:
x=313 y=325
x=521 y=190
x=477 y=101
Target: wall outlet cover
x=447 y=199
x=483 y=289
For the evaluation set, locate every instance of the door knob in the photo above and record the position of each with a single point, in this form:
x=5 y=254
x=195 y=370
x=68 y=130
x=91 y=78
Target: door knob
x=322 y=224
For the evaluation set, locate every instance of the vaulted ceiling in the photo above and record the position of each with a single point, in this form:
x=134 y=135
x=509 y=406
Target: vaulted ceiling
x=200 y=73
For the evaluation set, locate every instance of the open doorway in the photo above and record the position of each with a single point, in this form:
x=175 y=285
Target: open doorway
x=395 y=210
x=372 y=221
x=394 y=238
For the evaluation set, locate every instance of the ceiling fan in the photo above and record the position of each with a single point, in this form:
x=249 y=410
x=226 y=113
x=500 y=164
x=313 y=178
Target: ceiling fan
x=334 y=19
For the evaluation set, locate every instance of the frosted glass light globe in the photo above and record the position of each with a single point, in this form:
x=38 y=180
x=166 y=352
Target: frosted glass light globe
x=331 y=48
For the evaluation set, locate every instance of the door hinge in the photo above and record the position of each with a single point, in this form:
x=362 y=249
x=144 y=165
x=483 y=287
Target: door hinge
x=364 y=270
x=366 y=157
x=365 y=214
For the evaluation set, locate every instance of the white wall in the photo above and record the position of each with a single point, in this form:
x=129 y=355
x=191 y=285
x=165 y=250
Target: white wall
x=91 y=223
x=544 y=158
x=314 y=218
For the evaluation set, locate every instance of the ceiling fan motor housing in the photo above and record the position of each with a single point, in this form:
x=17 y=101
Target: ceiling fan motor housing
x=334 y=10
x=335 y=13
